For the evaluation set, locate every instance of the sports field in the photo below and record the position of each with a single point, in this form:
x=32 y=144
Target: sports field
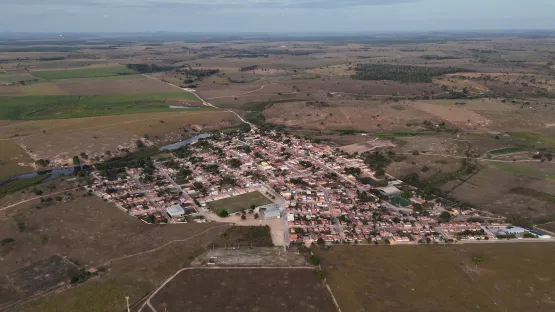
x=69 y=106
x=83 y=72
x=240 y=202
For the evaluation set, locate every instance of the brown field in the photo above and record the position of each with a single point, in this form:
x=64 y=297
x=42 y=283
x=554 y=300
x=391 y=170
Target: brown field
x=95 y=233
x=13 y=159
x=95 y=135
x=125 y=85
x=244 y=290
x=512 y=277
x=39 y=88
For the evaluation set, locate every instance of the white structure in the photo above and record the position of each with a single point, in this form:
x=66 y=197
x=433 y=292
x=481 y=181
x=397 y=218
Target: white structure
x=390 y=191
x=175 y=211
x=270 y=211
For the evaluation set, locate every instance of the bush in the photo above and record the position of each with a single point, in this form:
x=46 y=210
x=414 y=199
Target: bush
x=223 y=214
x=314 y=260
x=5 y=241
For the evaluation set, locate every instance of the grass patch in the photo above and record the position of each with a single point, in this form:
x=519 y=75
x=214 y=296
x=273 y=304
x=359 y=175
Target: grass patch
x=11 y=155
x=83 y=73
x=534 y=194
x=19 y=185
x=240 y=202
x=531 y=139
x=256 y=236
x=69 y=106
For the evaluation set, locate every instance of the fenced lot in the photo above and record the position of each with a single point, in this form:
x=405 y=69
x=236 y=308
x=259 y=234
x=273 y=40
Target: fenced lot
x=239 y=202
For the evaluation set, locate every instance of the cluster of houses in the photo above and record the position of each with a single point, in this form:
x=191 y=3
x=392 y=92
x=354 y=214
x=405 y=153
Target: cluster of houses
x=324 y=194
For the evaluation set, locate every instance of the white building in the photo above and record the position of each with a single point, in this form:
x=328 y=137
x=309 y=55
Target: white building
x=175 y=211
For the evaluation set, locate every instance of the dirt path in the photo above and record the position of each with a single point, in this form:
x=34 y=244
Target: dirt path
x=237 y=95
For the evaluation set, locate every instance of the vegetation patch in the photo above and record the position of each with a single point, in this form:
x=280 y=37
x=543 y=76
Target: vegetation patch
x=19 y=185
x=506 y=150
x=402 y=73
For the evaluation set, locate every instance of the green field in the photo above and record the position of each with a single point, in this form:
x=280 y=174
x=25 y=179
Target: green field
x=84 y=72
x=240 y=202
x=69 y=106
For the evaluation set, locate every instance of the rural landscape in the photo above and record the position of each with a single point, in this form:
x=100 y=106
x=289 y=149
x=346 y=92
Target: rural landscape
x=180 y=172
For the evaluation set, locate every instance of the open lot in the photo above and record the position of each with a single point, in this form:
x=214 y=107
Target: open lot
x=511 y=277
x=94 y=233
x=129 y=84
x=240 y=202
x=244 y=290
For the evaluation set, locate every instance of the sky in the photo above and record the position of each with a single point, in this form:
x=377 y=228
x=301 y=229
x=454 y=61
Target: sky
x=279 y=16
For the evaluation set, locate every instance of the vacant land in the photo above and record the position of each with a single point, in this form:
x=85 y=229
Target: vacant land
x=83 y=72
x=255 y=236
x=240 y=202
x=244 y=290
x=511 y=277
x=13 y=159
x=56 y=107
x=94 y=233
x=132 y=84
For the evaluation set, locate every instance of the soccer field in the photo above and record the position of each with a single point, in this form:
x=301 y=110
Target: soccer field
x=240 y=202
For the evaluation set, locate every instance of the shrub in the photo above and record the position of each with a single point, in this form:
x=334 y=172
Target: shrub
x=223 y=214
x=314 y=260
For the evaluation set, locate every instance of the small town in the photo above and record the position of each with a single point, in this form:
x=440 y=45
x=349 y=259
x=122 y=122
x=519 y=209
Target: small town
x=306 y=191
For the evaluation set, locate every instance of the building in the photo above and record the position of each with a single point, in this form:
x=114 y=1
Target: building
x=175 y=211
x=271 y=211
x=390 y=191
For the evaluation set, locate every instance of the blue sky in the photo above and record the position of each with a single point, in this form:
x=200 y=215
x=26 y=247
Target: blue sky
x=273 y=15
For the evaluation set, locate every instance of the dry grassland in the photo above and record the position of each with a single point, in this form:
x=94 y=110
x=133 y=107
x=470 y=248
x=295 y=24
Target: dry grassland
x=135 y=85
x=13 y=159
x=512 y=277
x=95 y=135
x=96 y=233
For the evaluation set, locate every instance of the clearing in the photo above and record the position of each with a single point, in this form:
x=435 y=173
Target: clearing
x=13 y=159
x=240 y=202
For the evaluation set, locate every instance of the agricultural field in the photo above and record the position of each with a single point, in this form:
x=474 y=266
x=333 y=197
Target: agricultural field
x=93 y=233
x=239 y=202
x=61 y=107
x=91 y=72
x=489 y=277
x=245 y=290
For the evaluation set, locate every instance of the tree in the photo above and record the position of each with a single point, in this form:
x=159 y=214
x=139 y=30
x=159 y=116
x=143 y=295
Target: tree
x=445 y=216
x=58 y=198
x=223 y=214
x=243 y=217
x=21 y=226
x=320 y=241
x=76 y=160
x=256 y=215
x=140 y=144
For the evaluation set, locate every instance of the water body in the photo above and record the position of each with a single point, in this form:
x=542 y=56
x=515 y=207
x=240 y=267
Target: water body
x=53 y=174
x=177 y=145
x=182 y=107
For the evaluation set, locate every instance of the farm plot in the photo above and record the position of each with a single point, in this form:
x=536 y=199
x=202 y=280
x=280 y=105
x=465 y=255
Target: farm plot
x=244 y=290
x=89 y=72
x=57 y=107
x=240 y=202
x=508 y=277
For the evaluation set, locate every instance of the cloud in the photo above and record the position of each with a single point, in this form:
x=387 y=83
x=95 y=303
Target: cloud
x=211 y=4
